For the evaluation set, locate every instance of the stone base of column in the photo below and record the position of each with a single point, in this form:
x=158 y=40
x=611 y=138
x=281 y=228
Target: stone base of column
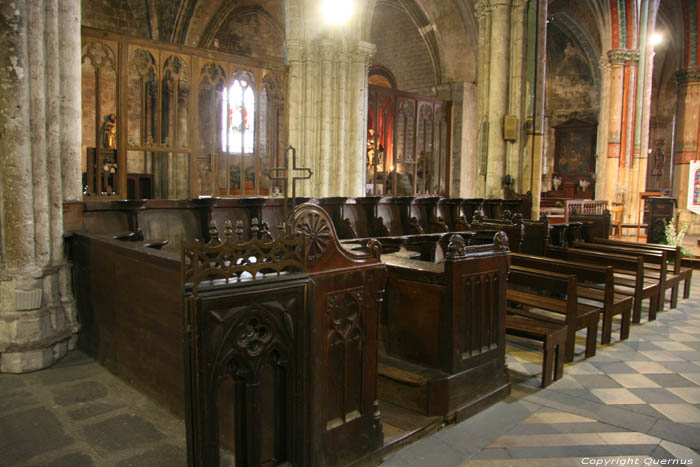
x=38 y=320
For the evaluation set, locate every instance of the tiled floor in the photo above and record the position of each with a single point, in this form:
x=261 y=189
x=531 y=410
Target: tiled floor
x=636 y=401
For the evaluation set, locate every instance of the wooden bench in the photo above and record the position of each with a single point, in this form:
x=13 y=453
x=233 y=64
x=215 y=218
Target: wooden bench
x=677 y=274
x=626 y=266
x=587 y=276
x=523 y=285
x=553 y=337
x=655 y=275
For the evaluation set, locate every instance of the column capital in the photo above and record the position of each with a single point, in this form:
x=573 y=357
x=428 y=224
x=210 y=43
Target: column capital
x=482 y=9
x=604 y=63
x=362 y=51
x=688 y=75
x=623 y=56
x=295 y=50
x=501 y=3
x=327 y=50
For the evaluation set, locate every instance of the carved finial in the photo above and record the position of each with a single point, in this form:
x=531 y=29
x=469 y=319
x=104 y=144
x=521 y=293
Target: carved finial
x=213 y=233
x=517 y=219
x=507 y=215
x=265 y=233
x=239 y=231
x=478 y=217
x=228 y=230
x=501 y=240
x=375 y=248
x=456 y=247
x=254 y=228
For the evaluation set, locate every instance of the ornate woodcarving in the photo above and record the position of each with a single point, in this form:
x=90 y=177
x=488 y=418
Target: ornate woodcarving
x=457 y=247
x=245 y=349
x=234 y=259
x=501 y=240
x=316 y=229
x=345 y=344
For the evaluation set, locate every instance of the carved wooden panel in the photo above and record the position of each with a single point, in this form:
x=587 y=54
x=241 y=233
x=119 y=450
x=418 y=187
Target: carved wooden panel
x=254 y=337
x=345 y=343
x=482 y=301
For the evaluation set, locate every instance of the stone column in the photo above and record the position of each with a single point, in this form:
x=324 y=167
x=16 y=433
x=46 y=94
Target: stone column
x=39 y=92
x=536 y=144
x=518 y=42
x=360 y=55
x=483 y=13
x=463 y=146
x=603 y=124
x=327 y=120
x=620 y=125
x=498 y=96
x=686 y=145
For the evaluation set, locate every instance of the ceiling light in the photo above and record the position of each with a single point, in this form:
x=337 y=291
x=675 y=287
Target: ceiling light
x=337 y=11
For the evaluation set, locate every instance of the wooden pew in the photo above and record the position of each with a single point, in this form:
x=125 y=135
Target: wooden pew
x=443 y=330
x=594 y=225
x=655 y=278
x=631 y=266
x=523 y=287
x=536 y=236
x=588 y=274
x=674 y=256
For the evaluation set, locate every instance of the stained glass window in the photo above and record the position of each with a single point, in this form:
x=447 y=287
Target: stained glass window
x=238 y=118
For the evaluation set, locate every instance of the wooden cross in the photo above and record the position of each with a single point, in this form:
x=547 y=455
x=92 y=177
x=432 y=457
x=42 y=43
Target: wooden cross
x=285 y=178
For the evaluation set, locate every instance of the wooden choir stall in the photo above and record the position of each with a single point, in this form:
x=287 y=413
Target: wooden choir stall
x=289 y=346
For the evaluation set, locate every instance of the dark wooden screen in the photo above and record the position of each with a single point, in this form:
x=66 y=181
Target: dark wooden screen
x=408 y=143
x=167 y=105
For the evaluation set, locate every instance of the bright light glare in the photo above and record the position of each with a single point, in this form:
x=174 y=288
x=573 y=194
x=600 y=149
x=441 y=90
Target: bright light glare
x=337 y=11
x=656 y=39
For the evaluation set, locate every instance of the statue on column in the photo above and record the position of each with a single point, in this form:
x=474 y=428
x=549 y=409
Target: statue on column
x=109 y=132
x=659 y=158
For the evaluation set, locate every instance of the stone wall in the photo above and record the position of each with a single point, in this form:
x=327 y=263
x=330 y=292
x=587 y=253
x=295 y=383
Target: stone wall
x=571 y=89
x=251 y=34
x=401 y=49
x=123 y=16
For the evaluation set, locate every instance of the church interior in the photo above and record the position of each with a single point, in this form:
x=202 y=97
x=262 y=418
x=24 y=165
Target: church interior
x=349 y=232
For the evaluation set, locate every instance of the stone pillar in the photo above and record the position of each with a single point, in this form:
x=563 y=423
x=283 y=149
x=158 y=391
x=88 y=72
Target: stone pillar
x=536 y=145
x=498 y=96
x=620 y=125
x=518 y=54
x=39 y=92
x=328 y=113
x=463 y=161
x=356 y=147
x=603 y=133
x=483 y=13
x=686 y=145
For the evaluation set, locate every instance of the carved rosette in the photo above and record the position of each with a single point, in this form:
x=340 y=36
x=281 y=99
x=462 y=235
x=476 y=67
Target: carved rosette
x=317 y=231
